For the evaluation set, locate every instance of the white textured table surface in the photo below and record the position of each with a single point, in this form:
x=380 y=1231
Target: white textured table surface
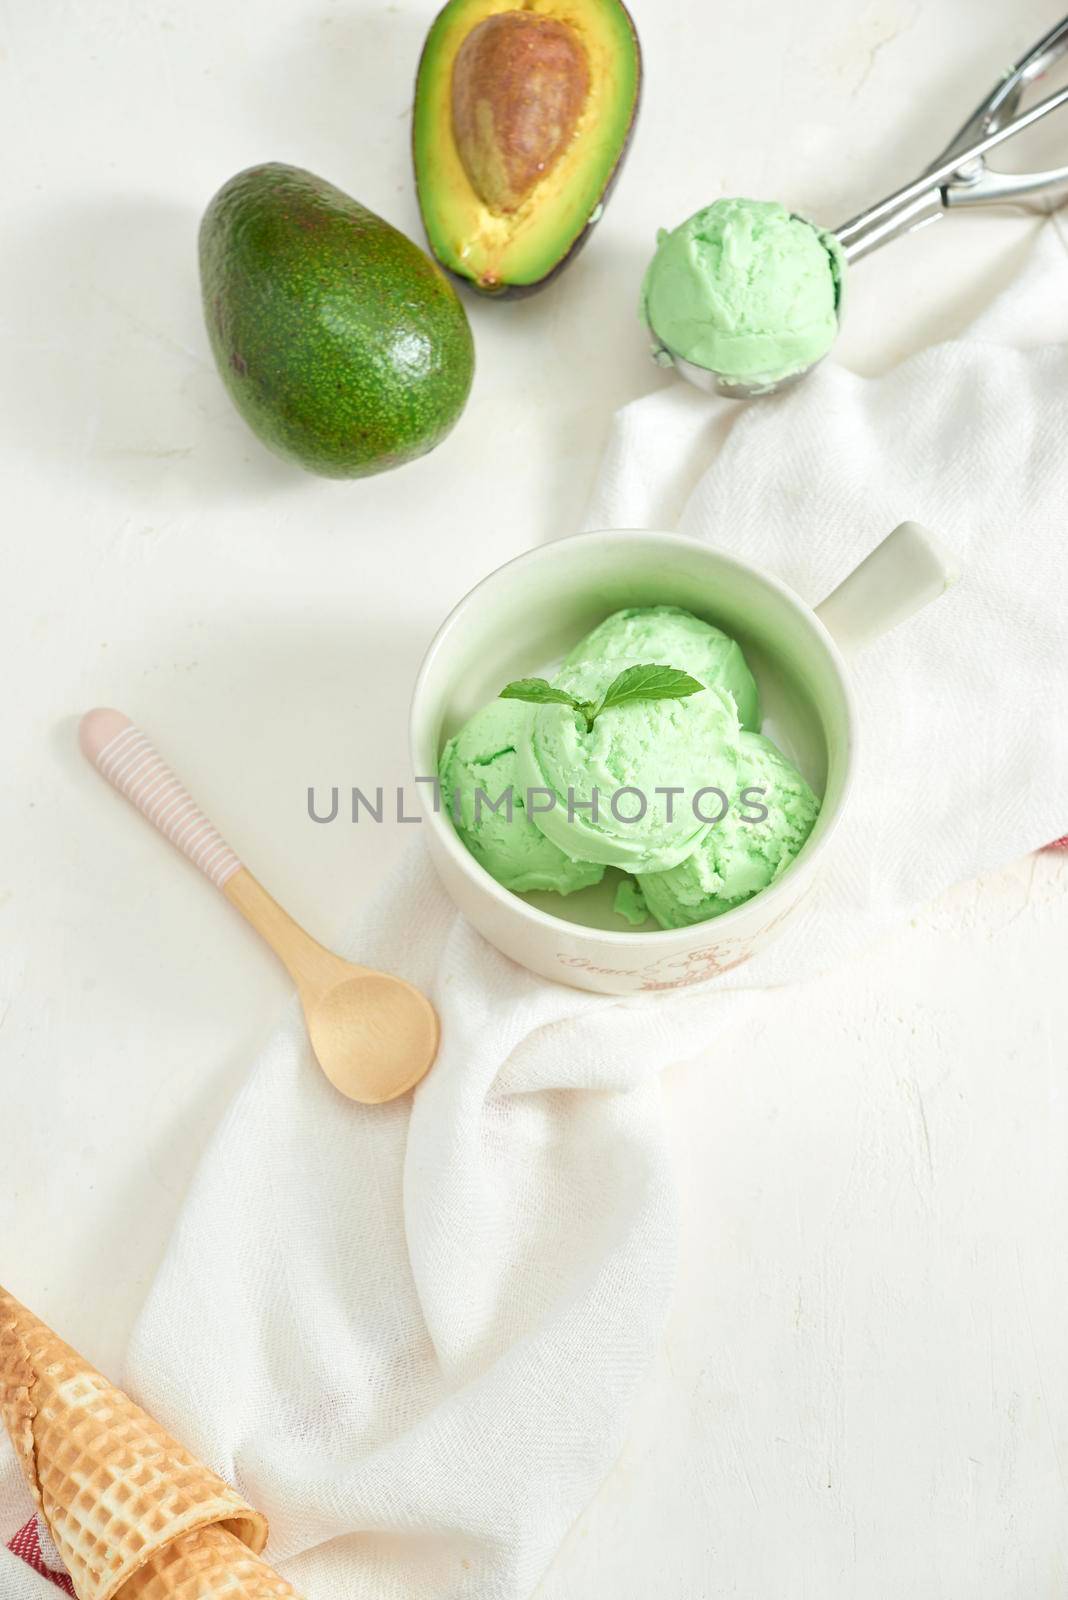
x=864 y=1374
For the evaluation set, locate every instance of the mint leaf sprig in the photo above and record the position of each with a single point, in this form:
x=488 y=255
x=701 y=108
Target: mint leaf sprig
x=643 y=682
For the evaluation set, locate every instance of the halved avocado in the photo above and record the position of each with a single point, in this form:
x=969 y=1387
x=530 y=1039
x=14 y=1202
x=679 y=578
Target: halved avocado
x=523 y=113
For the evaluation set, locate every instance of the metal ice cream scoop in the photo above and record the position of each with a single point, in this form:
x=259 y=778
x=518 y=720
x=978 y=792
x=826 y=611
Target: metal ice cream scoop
x=958 y=177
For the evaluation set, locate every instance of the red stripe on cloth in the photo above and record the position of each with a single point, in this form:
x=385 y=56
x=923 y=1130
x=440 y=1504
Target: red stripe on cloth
x=27 y=1546
x=1059 y=844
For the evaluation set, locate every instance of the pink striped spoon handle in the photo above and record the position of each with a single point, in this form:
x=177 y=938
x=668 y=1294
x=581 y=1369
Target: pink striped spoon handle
x=121 y=752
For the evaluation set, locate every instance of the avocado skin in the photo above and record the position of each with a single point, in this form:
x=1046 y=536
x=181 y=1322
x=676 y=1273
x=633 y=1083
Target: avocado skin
x=522 y=291
x=343 y=346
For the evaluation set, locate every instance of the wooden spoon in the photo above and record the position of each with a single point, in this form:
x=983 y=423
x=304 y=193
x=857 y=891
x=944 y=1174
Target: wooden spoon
x=374 y=1035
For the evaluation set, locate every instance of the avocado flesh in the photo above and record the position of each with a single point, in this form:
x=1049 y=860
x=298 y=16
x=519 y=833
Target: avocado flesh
x=342 y=345
x=512 y=249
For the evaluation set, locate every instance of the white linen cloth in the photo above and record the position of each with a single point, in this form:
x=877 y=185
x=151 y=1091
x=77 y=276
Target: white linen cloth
x=411 y=1334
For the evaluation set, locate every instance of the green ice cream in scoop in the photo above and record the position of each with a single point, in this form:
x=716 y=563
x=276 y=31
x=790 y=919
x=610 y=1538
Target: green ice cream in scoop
x=689 y=744
x=482 y=757
x=739 y=857
x=745 y=289
x=668 y=633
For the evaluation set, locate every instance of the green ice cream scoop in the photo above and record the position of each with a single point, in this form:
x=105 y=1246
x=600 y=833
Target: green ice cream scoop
x=668 y=633
x=739 y=856
x=746 y=293
x=745 y=297
x=631 y=752
x=478 y=770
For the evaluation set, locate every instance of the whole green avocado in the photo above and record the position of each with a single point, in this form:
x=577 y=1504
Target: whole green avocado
x=342 y=344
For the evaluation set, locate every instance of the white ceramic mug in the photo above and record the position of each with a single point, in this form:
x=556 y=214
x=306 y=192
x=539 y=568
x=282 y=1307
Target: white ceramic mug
x=525 y=616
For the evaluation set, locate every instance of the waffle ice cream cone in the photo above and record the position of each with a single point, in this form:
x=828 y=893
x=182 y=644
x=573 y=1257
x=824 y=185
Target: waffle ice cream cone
x=209 y=1564
x=114 y=1488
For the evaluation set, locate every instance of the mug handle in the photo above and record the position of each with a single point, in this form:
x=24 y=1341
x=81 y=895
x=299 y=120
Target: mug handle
x=904 y=573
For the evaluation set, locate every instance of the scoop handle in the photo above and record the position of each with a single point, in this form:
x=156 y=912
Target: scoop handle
x=904 y=573
x=129 y=761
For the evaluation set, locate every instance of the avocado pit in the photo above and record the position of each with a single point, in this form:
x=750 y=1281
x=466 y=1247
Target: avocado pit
x=519 y=85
